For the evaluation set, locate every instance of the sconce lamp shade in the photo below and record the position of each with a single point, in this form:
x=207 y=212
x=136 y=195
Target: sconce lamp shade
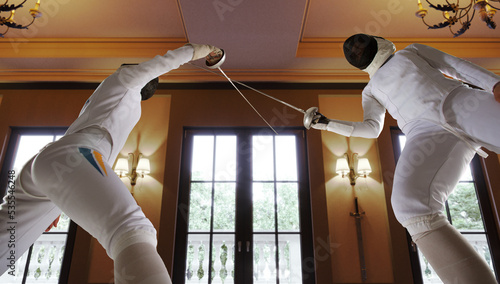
x=143 y=167
x=364 y=167
x=342 y=166
x=121 y=167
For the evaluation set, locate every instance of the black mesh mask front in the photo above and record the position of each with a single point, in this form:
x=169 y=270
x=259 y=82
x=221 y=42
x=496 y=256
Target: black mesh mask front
x=360 y=49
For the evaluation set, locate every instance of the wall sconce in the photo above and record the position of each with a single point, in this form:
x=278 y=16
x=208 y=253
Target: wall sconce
x=140 y=168
x=345 y=167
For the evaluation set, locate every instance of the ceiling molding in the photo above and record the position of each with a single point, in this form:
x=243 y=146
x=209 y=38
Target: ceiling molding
x=191 y=75
x=464 y=48
x=87 y=47
x=195 y=76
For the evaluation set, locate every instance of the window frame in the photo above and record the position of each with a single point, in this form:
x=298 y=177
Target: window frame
x=305 y=218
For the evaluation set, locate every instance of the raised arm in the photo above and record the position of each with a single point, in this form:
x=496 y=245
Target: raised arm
x=134 y=76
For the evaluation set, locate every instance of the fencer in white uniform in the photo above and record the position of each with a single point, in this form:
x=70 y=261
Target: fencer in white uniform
x=445 y=121
x=75 y=175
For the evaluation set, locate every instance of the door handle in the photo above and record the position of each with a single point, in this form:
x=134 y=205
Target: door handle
x=248 y=246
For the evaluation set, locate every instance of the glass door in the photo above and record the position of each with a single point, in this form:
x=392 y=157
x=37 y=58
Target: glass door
x=244 y=209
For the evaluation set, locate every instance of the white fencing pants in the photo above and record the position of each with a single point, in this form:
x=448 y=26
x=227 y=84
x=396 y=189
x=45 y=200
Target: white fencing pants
x=428 y=170
x=433 y=159
x=71 y=175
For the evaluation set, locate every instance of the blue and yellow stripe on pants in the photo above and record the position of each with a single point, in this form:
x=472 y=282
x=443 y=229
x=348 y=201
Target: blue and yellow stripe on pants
x=95 y=159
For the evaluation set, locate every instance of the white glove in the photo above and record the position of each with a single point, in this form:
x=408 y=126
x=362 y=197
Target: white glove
x=201 y=50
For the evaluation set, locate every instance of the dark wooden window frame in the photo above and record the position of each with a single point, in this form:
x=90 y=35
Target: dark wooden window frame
x=243 y=176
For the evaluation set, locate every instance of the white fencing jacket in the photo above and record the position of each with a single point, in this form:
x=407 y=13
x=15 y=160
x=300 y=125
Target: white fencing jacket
x=411 y=86
x=115 y=105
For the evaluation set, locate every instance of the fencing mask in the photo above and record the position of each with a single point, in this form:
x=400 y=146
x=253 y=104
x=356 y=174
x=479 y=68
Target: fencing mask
x=367 y=52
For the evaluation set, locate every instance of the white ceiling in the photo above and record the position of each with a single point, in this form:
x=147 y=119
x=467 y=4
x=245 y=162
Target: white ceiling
x=273 y=40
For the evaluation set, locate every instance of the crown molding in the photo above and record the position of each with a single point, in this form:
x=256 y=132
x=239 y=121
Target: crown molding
x=87 y=47
x=462 y=47
x=191 y=75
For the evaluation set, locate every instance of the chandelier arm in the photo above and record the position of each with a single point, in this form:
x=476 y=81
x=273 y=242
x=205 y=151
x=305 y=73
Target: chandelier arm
x=451 y=31
x=425 y=22
x=465 y=13
x=6 y=8
x=493 y=6
x=2 y=34
x=32 y=21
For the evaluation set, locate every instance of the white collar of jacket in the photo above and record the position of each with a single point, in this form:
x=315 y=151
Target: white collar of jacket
x=385 y=50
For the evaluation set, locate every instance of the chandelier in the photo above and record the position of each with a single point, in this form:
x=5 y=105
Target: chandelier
x=453 y=13
x=9 y=22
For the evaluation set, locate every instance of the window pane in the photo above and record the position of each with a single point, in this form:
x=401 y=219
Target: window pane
x=46 y=258
x=29 y=145
x=286 y=160
x=223 y=259
x=464 y=208
x=288 y=207
x=263 y=157
x=197 y=258
x=402 y=141
x=200 y=206
x=290 y=260
x=224 y=206
x=15 y=277
x=225 y=160
x=480 y=244
x=264 y=256
x=263 y=207
x=203 y=156
x=63 y=225
x=467 y=175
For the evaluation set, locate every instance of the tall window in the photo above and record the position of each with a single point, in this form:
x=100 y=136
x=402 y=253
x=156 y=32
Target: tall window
x=244 y=208
x=468 y=210
x=47 y=260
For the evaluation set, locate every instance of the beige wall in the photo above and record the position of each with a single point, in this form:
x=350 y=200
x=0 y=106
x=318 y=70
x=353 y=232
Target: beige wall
x=340 y=199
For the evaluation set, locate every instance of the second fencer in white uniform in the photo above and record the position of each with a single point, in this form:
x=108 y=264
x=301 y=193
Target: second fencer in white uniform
x=445 y=121
x=74 y=175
